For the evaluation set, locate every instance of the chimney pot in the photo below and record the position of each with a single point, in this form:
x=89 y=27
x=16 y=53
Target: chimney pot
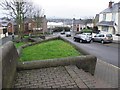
x=110 y=4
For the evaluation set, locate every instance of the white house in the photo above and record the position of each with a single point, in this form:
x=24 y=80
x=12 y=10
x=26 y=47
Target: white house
x=79 y=24
x=109 y=19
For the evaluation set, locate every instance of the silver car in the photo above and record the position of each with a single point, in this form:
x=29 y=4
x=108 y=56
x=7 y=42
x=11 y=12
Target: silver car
x=103 y=38
x=68 y=34
x=84 y=37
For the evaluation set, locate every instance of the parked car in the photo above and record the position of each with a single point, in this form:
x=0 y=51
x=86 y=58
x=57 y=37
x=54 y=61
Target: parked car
x=103 y=38
x=63 y=32
x=84 y=37
x=68 y=34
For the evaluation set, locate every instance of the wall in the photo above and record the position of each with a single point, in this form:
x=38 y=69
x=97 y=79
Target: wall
x=107 y=72
x=0 y=69
x=119 y=22
x=44 y=24
x=9 y=64
x=10 y=28
x=99 y=27
x=100 y=17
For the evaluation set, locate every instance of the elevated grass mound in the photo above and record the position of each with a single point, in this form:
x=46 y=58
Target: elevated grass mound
x=48 y=50
x=17 y=45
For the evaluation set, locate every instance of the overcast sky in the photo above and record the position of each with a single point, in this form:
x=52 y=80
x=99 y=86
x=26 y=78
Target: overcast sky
x=73 y=8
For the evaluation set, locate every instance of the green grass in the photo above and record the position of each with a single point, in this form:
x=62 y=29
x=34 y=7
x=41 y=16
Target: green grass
x=17 y=45
x=48 y=50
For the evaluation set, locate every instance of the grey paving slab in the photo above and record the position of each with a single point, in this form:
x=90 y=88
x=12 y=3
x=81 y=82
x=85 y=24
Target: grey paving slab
x=58 y=77
x=54 y=77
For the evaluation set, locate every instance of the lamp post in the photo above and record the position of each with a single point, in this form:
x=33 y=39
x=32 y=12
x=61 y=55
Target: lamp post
x=63 y=25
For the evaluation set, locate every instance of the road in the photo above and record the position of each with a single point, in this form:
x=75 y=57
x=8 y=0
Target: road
x=107 y=52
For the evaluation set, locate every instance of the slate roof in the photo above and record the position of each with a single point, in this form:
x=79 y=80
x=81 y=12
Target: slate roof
x=4 y=22
x=115 y=8
x=106 y=23
x=78 y=22
x=84 y=22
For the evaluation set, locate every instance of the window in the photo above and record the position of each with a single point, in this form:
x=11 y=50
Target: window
x=105 y=28
x=109 y=35
x=104 y=17
x=101 y=35
x=113 y=16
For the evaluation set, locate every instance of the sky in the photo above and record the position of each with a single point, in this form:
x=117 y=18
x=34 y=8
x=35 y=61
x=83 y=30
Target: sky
x=72 y=8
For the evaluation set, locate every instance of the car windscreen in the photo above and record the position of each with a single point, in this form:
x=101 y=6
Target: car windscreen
x=108 y=35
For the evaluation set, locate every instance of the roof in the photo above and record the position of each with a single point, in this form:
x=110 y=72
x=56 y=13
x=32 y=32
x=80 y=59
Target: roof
x=4 y=22
x=106 y=23
x=79 y=21
x=115 y=8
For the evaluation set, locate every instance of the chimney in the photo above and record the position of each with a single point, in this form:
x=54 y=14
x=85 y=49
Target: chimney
x=44 y=16
x=110 y=4
x=73 y=18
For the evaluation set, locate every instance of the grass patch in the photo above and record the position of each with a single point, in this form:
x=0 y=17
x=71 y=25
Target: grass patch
x=48 y=50
x=17 y=45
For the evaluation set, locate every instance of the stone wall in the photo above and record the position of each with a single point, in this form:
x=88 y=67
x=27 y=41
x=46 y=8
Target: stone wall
x=108 y=73
x=0 y=68
x=9 y=63
x=87 y=63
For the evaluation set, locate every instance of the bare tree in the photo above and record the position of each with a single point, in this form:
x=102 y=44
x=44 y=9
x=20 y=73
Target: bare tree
x=18 y=10
x=38 y=13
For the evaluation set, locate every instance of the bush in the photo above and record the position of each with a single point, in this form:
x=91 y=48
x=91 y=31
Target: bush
x=59 y=29
x=86 y=31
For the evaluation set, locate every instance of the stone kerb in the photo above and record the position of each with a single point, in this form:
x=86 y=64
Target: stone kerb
x=76 y=47
x=9 y=64
x=87 y=63
x=108 y=73
x=0 y=68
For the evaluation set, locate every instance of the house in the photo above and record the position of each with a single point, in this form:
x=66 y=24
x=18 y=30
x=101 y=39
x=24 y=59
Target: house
x=79 y=24
x=109 y=19
x=3 y=28
x=32 y=26
x=9 y=25
x=96 y=20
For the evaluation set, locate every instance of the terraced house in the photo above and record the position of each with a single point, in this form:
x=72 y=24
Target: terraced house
x=109 y=19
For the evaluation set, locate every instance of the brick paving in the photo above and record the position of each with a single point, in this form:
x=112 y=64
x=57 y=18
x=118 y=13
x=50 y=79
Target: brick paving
x=58 y=77
x=54 y=77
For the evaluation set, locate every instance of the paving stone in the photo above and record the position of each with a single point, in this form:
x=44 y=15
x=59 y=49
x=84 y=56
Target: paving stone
x=54 y=77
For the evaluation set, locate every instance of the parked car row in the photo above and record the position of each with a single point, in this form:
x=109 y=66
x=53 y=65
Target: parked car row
x=87 y=37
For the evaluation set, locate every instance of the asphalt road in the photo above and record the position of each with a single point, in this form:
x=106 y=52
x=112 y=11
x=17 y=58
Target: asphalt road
x=107 y=52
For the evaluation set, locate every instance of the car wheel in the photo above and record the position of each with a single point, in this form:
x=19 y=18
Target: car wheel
x=81 y=41
x=91 y=40
x=102 y=41
x=74 y=39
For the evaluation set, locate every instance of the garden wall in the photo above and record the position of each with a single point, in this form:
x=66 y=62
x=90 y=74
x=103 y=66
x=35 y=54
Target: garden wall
x=86 y=63
x=9 y=64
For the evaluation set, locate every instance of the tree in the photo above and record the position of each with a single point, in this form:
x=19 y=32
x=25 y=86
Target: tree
x=17 y=10
x=37 y=16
